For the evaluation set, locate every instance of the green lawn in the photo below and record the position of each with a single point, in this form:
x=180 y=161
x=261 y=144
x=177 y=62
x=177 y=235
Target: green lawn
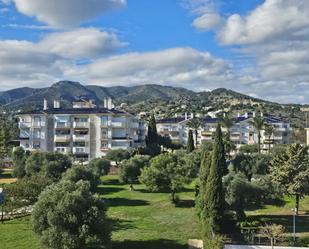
x=282 y=214
x=149 y=221
x=140 y=220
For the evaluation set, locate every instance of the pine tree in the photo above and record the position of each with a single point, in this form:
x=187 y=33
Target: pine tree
x=190 y=142
x=152 y=135
x=214 y=206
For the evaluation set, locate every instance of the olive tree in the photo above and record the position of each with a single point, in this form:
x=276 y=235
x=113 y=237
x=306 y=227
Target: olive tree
x=68 y=215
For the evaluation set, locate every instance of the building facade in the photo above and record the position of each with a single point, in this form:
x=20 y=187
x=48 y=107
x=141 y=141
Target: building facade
x=242 y=132
x=84 y=131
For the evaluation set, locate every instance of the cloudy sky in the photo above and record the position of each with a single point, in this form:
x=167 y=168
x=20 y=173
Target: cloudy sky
x=257 y=47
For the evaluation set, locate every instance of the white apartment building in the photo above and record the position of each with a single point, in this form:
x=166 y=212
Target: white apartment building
x=85 y=131
x=307 y=135
x=242 y=132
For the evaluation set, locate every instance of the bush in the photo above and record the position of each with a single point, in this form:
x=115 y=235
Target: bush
x=68 y=215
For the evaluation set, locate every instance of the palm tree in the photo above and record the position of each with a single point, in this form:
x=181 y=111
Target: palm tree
x=194 y=124
x=227 y=122
x=258 y=123
x=269 y=131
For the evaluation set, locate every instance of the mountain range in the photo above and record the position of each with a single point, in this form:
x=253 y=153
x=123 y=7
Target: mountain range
x=164 y=100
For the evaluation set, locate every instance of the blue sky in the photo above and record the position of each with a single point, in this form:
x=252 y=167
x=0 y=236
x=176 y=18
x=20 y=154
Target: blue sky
x=256 y=47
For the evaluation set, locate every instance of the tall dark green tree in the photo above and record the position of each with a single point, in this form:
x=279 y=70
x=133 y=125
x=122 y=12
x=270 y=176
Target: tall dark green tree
x=19 y=162
x=190 y=142
x=195 y=124
x=203 y=176
x=152 y=135
x=258 y=124
x=214 y=194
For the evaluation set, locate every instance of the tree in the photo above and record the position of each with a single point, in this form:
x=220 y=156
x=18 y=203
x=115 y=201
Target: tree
x=68 y=215
x=213 y=210
x=269 y=131
x=152 y=135
x=4 y=139
x=101 y=166
x=227 y=122
x=25 y=191
x=19 y=162
x=85 y=173
x=130 y=169
x=190 y=142
x=117 y=155
x=291 y=170
x=201 y=202
x=194 y=124
x=167 y=172
x=258 y=124
x=51 y=164
x=273 y=232
x=249 y=149
x=251 y=164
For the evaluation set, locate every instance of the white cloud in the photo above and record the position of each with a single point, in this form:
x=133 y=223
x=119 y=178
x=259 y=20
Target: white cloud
x=272 y=20
x=208 y=21
x=179 y=66
x=87 y=43
x=65 y=13
x=207 y=14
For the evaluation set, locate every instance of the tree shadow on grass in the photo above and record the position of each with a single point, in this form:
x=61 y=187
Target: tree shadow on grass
x=121 y=224
x=150 y=244
x=112 y=182
x=185 y=204
x=277 y=202
x=302 y=221
x=104 y=190
x=116 y=202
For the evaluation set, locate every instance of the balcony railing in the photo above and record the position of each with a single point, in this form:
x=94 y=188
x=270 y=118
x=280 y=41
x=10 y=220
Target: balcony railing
x=118 y=124
x=81 y=150
x=63 y=149
x=62 y=137
x=24 y=125
x=80 y=137
x=78 y=124
x=38 y=124
x=62 y=125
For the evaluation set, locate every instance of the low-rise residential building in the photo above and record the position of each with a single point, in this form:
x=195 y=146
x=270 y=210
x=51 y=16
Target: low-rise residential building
x=307 y=135
x=242 y=132
x=85 y=131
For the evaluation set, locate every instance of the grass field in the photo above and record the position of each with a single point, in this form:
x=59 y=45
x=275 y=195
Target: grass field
x=140 y=220
x=149 y=221
x=6 y=177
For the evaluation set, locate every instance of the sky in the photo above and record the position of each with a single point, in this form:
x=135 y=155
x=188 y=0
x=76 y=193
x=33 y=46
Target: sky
x=256 y=47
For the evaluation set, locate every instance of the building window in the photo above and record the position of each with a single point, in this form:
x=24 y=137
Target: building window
x=36 y=145
x=104 y=120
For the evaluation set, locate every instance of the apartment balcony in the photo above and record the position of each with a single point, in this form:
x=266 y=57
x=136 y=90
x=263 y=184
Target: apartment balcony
x=62 y=138
x=38 y=124
x=85 y=125
x=134 y=125
x=121 y=138
x=278 y=137
x=104 y=137
x=117 y=145
x=118 y=124
x=104 y=124
x=62 y=125
x=81 y=150
x=80 y=137
x=24 y=125
x=64 y=150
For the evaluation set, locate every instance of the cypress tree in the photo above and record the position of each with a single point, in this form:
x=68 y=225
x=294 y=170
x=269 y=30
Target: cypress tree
x=214 y=206
x=152 y=135
x=190 y=142
x=203 y=176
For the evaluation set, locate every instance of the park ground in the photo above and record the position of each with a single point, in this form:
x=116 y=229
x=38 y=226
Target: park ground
x=149 y=220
